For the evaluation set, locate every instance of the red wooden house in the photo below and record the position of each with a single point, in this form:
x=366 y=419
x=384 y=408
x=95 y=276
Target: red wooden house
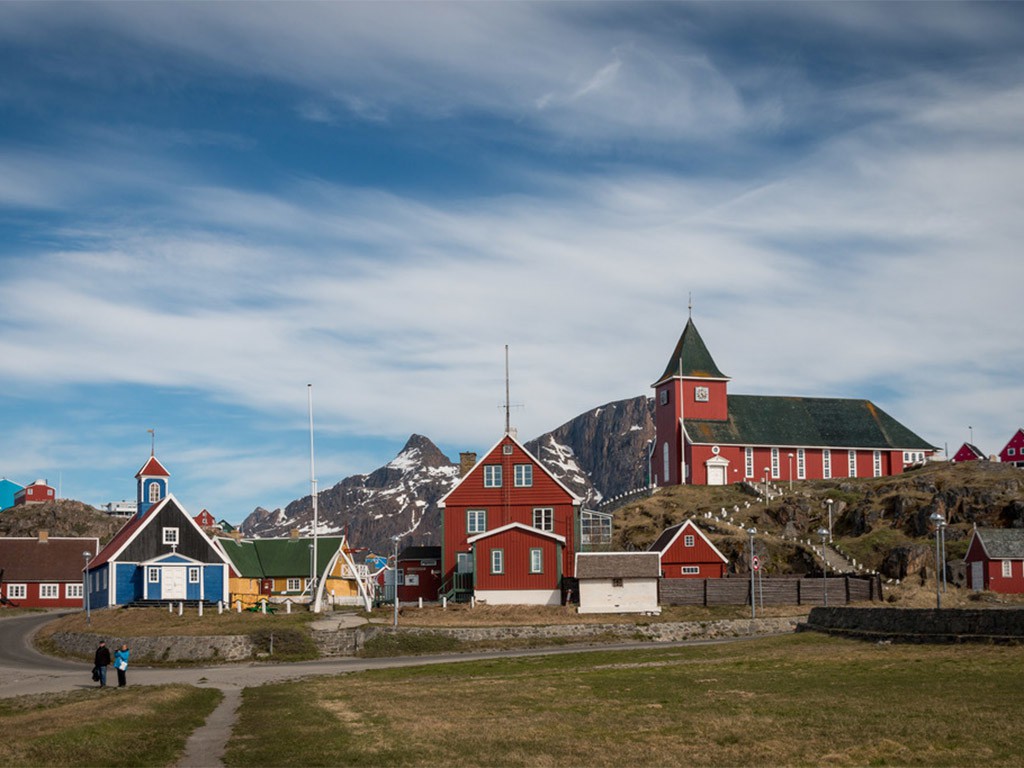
x=205 y=520
x=509 y=526
x=968 y=452
x=420 y=569
x=46 y=571
x=37 y=493
x=995 y=560
x=686 y=553
x=707 y=436
x=1013 y=451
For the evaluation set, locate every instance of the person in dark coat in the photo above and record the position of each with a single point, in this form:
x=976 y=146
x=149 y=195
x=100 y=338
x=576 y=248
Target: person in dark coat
x=101 y=662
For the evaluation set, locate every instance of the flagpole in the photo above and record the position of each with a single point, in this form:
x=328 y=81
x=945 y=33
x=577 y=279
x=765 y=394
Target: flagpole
x=313 y=586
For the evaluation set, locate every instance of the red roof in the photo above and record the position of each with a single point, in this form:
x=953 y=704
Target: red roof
x=153 y=467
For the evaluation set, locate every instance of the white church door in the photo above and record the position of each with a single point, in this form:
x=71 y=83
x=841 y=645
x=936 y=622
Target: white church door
x=174 y=587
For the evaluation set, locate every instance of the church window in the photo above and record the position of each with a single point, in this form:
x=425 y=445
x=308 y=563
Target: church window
x=748 y=464
x=775 y=463
x=154 y=492
x=826 y=463
x=876 y=463
x=852 y=461
x=664 y=455
x=170 y=535
x=801 y=464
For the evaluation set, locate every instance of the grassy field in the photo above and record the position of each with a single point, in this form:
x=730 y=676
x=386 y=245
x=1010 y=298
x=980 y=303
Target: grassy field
x=114 y=727
x=797 y=700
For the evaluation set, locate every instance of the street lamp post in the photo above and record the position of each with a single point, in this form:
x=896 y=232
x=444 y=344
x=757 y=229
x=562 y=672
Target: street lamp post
x=790 y=472
x=753 y=607
x=395 y=580
x=767 y=497
x=85 y=586
x=824 y=566
x=939 y=522
x=829 y=502
x=942 y=536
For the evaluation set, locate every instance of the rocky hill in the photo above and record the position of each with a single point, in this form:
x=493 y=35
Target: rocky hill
x=64 y=517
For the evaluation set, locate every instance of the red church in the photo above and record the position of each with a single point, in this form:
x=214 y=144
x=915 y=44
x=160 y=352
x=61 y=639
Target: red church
x=706 y=436
x=510 y=530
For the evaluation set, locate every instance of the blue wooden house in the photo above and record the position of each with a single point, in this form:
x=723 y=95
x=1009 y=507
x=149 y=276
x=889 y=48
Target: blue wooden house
x=159 y=554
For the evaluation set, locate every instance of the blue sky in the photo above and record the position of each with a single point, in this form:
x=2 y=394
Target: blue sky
x=204 y=207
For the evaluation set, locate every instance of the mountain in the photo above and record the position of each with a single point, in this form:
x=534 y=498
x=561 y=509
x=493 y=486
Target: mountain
x=599 y=455
x=63 y=517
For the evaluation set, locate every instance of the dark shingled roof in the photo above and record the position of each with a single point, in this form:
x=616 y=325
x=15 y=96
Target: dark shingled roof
x=665 y=538
x=1002 y=543
x=618 y=565
x=57 y=559
x=805 y=421
x=691 y=358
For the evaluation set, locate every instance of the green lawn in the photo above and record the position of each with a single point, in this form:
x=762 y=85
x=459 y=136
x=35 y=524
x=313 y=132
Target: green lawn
x=796 y=700
x=134 y=726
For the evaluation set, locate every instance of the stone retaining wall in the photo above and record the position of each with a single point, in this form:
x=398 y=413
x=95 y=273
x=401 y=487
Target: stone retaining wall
x=921 y=625
x=170 y=648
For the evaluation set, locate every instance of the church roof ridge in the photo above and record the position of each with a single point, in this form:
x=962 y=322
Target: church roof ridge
x=690 y=358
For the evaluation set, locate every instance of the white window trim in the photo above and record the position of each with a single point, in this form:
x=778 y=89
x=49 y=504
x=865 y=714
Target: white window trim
x=1007 y=569
x=826 y=463
x=497 y=561
x=479 y=515
x=691 y=569
x=748 y=461
x=536 y=560
x=49 y=591
x=544 y=518
x=492 y=476
x=293 y=585
x=153 y=575
x=801 y=464
x=775 y=463
x=193 y=570
x=171 y=536
x=74 y=591
x=851 y=462
x=154 y=492
x=876 y=463
x=688 y=540
x=17 y=591
x=523 y=476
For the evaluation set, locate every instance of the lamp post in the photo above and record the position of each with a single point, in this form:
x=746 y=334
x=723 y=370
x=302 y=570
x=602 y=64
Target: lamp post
x=767 y=498
x=824 y=566
x=753 y=606
x=939 y=521
x=829 y=502
x=85 y=586
x=395 y=580
x=790 y=471
x=942 y=536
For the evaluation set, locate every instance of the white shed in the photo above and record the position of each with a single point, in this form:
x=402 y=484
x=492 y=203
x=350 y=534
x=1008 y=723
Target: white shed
x=618 y=582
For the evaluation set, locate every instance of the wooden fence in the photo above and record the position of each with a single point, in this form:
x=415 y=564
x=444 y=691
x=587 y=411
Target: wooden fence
x=775 y=591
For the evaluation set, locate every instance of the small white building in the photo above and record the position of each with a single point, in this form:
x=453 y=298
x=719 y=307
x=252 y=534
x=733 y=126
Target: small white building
x=618 y=582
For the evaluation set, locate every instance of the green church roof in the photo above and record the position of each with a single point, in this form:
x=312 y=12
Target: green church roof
x=691 y=358
x=280 y=558
x=805 y=422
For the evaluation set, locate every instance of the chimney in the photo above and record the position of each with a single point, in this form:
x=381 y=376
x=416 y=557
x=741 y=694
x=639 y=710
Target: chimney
x=467 y=460
x=295 y=533
x=44 y=536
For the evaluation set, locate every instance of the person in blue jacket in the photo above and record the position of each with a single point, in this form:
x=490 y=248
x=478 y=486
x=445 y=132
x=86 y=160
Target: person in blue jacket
x=121 y=664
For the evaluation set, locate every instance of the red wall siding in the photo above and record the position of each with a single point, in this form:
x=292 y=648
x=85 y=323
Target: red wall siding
x=32 y=599
x=700 y=554
x=516 y=545
x=429 y=580
x=1017 y=444
x=507 y=504
x=717 y=406
x=668 y=431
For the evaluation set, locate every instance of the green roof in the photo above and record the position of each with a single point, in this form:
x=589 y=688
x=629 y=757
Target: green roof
x=805 y=421
x=691 y=358
x=279 y=558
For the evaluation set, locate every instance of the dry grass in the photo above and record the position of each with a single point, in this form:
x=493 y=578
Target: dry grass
x=797 y=700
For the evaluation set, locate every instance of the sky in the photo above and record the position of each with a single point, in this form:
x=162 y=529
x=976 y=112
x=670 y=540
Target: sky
x=205 y=208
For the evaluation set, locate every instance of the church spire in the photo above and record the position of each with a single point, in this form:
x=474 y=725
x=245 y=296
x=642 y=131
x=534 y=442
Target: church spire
x=690 y=358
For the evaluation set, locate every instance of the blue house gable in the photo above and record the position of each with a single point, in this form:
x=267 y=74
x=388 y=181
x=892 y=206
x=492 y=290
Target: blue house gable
x=7 y=490
x=160 y=554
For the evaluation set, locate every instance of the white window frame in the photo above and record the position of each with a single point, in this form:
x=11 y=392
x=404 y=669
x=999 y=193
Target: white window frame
x=1011 y=451
x=193 y=574
x=74 y=591
x=691 y=570
x=775 y=463
x=153 y=575
x=492 y=475
x=172 y=536
x=876 y=463
x=476 y=520
x=801 y=464
x=497 y=561
x=293 y=584
x=689 y=540
x=154 y=492
x=851 y=463
x=748 y=461
x=523 y=475
x=464 y=562
x=1007 y=569
x=665 y=460
x=536 y=560
x=17 y=591
x=826 y=463
x=49 y=591
x=544 y=518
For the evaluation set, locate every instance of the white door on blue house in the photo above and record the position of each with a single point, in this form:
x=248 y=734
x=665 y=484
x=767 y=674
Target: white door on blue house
x=173 y=583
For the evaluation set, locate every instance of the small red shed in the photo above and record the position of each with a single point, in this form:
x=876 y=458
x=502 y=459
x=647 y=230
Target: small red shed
x=420 y=569
x=995 y=560
x=1013 y=451
x=517 y=564
x=968 y=452
x=686 y=553
x=36 y=493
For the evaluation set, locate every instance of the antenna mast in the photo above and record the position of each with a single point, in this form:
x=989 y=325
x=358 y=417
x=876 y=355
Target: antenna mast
x=314 y=593
x=508 y=405
x=152 y=442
